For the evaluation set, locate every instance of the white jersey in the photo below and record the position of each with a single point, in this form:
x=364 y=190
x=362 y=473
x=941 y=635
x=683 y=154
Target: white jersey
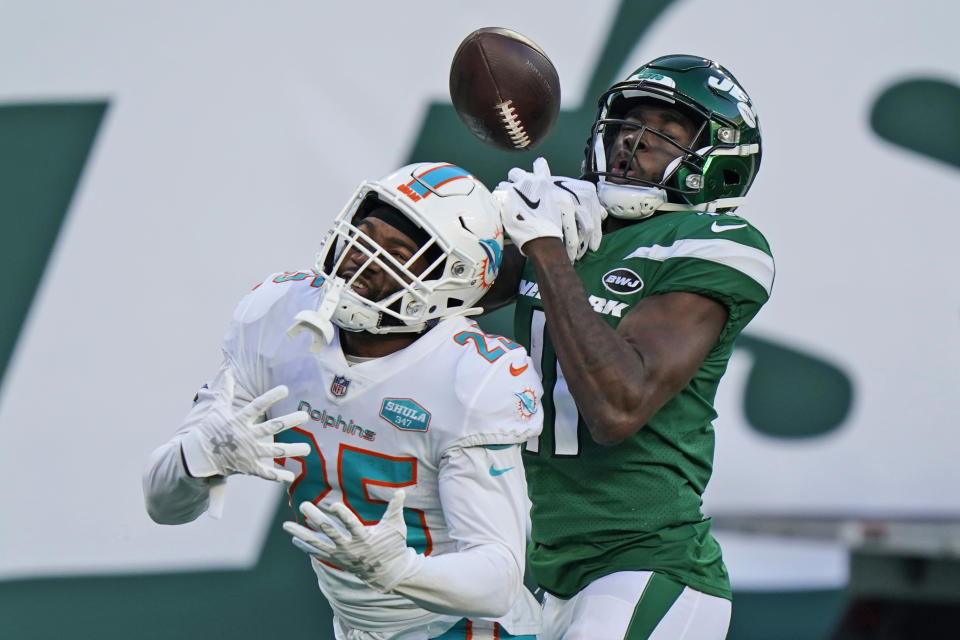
x=402 y=420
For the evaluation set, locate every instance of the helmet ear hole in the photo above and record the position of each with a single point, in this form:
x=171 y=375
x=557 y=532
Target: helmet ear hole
x=730 y=177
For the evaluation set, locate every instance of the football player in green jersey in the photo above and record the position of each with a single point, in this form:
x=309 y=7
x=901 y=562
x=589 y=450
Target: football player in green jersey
x=631 y=341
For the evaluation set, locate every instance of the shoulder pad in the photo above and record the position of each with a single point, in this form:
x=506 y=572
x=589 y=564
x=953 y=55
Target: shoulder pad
x=499 y=388
x=290 y=290
x=259 y=326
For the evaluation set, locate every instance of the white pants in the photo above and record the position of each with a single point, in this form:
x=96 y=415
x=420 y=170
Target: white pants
x=635 y=605
x=463 y=630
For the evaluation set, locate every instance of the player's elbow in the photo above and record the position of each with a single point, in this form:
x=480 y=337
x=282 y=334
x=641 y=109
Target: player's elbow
x=621 y=416
x=609 y=434
x=498 y=590
x=162 y=512
x=614 y=424
x=163 y=504
x=160 y=516
x=501 y=609
x=499 y=597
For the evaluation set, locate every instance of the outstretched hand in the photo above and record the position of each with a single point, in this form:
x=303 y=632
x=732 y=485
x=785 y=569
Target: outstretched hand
x=539 y=205
x=376 y=554
x=227 y=440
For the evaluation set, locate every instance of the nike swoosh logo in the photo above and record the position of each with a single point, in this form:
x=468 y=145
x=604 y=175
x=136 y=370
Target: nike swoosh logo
x=497 y=472
x=526 y=200
x=716 y=228
x=518 y=370
x=560 y=184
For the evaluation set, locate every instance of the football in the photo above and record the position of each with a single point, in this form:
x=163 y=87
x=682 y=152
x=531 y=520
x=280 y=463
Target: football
x=504 y=88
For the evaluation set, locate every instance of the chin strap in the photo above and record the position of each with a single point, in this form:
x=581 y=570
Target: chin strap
x=630 y=202
x=636 y=203
x=319 y=321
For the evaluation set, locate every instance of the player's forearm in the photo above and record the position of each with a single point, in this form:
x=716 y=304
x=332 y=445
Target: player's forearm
x=605 y=374
x=171 y=495
x=479 y=582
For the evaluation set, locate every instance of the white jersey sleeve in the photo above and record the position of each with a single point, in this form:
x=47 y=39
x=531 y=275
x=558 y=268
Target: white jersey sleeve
x=258 y=327
x=500 y=399
x=172 y=494
x=484 y=497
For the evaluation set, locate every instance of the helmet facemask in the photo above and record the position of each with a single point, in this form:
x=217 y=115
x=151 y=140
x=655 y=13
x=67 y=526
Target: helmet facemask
x=442 y=278
x=710 y=172
x=623 y=188
x=401 y=309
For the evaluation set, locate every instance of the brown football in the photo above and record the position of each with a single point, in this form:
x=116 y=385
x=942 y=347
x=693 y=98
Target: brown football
x=504 y=88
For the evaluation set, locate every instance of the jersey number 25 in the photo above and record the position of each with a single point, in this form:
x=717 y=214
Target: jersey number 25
x=356 y=470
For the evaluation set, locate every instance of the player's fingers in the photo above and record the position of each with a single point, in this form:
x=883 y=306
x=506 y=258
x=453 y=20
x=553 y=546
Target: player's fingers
x=260 y=404
x=599 y=211
x=395 y=506
x=595 y=240
x=517 y=174
x=588 y=227
x=571 y=231
x=280 y=423
x=269 y=472
x=315 y=538
x=311 y=541
x=540 y=168
x=350 y=521
x=285 y=476
x=311 y=550
x=284 y=450
x=312 y=513
x=502 y=195
x=319 y=520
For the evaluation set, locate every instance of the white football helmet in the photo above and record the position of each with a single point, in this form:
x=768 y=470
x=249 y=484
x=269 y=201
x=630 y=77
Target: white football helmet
x=463 y=247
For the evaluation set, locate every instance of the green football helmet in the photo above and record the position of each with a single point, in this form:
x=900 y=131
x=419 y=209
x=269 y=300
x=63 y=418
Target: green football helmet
x=712 y=173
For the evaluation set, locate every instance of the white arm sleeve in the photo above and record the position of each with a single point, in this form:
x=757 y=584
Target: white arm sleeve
x=484 y=497
x=172 y=495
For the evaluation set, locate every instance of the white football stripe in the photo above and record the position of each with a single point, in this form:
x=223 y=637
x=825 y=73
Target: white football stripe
x=752 y=262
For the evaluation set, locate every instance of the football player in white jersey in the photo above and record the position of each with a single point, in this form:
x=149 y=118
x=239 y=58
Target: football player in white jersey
x=397 y=421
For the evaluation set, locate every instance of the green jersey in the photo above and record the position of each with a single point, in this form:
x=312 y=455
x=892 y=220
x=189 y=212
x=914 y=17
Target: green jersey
x=637 y=505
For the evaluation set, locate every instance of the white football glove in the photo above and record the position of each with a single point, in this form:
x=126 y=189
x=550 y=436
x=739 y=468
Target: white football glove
x=538 y=205
x=227 y=440
x=378 y=554
x=582 y=215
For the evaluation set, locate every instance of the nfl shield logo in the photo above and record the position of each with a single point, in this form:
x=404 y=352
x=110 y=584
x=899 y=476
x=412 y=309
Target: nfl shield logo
x=339 y=386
